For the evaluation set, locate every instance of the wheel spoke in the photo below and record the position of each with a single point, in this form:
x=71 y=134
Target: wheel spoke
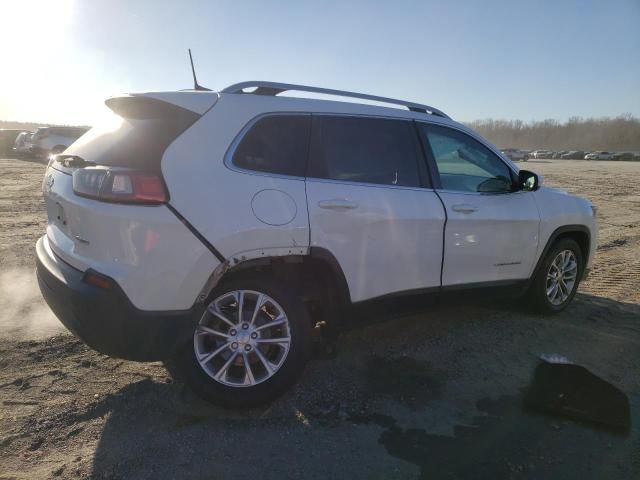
x=256 y=310
x=208 y=357
x=273 y=340
x=202 y=330
x=552 y=289
x=267 y=364
x=563 y=288
x=277 y=321
x=557 y=263
x=226 y=365
x=247 y=366
x=571 y=266
x=213 y=309
x=239 y=296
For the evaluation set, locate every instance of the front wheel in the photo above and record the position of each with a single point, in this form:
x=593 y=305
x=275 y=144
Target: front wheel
x=557 y=279
x=250 y=345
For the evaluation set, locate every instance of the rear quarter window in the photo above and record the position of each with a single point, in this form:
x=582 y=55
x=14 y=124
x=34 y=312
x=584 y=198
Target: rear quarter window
x=276 y=144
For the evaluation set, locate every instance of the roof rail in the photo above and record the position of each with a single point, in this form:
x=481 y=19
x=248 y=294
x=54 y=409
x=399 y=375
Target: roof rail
x=274 y=88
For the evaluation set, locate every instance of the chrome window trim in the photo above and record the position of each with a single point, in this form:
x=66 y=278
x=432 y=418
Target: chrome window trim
x=369 y=185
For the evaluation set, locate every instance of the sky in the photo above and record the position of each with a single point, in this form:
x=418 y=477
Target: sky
x=507 y=59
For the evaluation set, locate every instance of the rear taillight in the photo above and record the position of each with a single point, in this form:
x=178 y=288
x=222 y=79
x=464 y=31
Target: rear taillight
x=119 y=186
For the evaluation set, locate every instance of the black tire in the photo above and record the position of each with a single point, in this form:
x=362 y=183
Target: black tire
x=186 y=368
x=538 y=290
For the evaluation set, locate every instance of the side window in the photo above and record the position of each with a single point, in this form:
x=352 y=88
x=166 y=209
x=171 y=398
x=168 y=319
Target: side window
x=464 y=164
x=367 y=150
x=276 y=144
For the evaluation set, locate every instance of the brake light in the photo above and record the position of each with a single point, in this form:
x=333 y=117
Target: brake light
x=119 y=186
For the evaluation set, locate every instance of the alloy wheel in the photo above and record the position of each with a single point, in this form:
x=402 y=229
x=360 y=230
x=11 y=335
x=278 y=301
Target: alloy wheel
x=242 y=339
x=561 y=277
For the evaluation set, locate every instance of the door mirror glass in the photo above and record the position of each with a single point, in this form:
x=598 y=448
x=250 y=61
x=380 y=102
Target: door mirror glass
x=529 y=181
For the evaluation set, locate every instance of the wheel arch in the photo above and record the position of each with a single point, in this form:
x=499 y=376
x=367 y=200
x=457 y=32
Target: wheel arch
x=580 y=233
x=317 y=276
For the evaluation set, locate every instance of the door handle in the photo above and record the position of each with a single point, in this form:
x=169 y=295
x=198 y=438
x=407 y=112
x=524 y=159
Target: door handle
x=337 y=204
x=464 y=208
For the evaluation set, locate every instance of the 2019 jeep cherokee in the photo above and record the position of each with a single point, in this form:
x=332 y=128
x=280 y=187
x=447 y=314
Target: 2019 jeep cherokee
x=216 y=229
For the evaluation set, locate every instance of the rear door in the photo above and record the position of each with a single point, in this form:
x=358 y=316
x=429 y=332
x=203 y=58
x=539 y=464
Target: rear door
x=492 y=231
x=371 y=207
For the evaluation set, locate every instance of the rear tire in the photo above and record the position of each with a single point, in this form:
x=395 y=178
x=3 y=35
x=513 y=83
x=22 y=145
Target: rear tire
x=251 y=362
x=556 y=281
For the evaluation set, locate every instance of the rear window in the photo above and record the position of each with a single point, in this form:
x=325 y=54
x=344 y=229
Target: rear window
x=136 y=136
x=275 y=144
x=367 y=150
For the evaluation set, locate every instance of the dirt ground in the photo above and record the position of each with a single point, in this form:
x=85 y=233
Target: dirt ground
x=436 y=394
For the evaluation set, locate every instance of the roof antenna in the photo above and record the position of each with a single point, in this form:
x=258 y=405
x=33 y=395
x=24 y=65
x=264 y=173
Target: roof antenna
x=195 y=80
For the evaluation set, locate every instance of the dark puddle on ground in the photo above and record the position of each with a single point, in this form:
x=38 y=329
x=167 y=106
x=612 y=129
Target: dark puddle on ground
x=517 y=437
x=508 y=443
x=404 y=379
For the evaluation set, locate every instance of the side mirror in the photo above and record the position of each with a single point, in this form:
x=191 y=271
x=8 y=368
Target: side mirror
x=529 y=181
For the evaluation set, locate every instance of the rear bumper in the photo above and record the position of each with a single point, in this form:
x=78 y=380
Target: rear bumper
x=105 y=319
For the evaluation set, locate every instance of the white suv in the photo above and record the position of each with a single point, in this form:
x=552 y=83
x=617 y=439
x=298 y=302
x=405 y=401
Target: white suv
x=52 y=140
x=218 y=229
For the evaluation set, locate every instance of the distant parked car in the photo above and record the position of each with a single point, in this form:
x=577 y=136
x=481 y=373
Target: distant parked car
x=559 y=154
x=7 y=139
x=622 y=156
x=599 y=156
x=516 y=154
x=573 y=155
x=22 y=144
x=537 y=154
x=51 y=140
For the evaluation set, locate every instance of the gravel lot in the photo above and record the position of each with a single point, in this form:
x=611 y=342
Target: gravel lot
x=435 y=394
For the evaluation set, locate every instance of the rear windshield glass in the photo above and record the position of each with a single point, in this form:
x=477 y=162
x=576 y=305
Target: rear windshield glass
x=135 y=136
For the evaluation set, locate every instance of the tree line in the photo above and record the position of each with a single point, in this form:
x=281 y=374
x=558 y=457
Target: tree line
x=621 y=133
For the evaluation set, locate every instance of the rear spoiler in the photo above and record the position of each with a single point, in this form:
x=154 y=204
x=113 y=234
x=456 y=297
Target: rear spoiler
x=162 y=104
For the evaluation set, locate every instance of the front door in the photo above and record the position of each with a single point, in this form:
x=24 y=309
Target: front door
x=492 y=230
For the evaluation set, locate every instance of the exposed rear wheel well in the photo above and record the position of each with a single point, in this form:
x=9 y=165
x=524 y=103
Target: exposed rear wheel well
x=316 y=278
